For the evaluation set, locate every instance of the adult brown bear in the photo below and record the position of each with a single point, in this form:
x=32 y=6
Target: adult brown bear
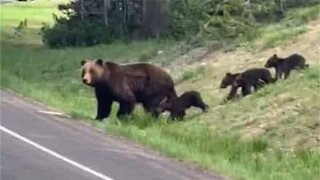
x=127 y=84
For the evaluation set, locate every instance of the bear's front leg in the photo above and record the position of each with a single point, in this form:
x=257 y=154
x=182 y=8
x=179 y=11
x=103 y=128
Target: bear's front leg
x=278 y=73
x=232 y=92
x=177 y=115
x=246 y=89
x=104 y=103
x=103 y=109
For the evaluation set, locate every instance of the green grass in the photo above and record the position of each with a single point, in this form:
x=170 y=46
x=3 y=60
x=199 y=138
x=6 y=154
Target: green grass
x=226 y=153
x=37 y=13
x=191 y=74
x=272 y=134
x=282 y=33
x=282 y=36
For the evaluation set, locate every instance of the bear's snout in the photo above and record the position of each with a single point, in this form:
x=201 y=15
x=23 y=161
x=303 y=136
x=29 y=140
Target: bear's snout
x=85 y=81
x=222 y=86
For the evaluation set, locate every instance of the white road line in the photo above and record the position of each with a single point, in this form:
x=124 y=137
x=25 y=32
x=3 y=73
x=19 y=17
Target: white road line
x=56 y=155
x=51 y=113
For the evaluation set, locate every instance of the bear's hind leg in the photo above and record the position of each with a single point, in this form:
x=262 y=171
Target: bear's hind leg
x=257 y=85
x=125 y=109
x=286 y=74
x=152 y=105
x=200 y=104
x=268 y=79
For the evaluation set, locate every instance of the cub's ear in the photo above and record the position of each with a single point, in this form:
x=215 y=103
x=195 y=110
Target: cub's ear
x=83 y=62
x=228 y=74
x=99 y=62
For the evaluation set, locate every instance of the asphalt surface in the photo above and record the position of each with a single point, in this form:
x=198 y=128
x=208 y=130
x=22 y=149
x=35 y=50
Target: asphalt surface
x=37 y=146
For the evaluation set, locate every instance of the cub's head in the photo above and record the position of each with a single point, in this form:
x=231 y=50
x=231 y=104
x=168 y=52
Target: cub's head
x=228 y=79
x=92 y=71
x=272 y=61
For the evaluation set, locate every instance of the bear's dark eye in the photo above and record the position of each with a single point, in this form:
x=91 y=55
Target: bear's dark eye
x=91 y=71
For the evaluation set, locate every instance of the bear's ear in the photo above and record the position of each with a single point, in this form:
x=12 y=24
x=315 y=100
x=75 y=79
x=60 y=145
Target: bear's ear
x=99 y=62
x=83 y=62
x=228 y=74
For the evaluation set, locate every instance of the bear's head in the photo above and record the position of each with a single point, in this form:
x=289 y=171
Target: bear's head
x=228 y=79
x=272 y=61
x=92 y=71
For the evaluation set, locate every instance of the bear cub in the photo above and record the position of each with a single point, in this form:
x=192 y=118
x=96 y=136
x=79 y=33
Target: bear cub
x=255 y=77
x=283 y=66
x=179 y=105
x=228 y=79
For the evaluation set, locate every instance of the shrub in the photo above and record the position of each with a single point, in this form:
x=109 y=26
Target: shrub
x=78 y=27
x=74 y=32
x=217 y=20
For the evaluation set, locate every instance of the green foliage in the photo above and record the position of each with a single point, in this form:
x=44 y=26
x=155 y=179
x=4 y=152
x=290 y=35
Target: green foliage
x=299 y=3
x=284 y=31
x=205 y=20
x=185 y=18
x=304 y=15
x=89 y=25
x=223 y=20
x=213 y=19
x=76 y=33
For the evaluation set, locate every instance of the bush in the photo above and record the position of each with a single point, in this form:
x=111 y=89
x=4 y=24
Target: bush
x=78 y=27
x=75 y=33
x=217 y=20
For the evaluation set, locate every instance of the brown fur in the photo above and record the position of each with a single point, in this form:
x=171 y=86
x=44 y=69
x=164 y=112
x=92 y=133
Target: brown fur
x=127 y=84
x=179 y=105
x=283 y=66
x=228 y=79
x=255 y=77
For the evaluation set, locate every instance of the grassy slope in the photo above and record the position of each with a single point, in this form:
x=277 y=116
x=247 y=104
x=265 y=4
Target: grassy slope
x=281 y=118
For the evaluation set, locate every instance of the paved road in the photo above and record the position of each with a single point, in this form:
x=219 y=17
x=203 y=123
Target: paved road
x=37 y=146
